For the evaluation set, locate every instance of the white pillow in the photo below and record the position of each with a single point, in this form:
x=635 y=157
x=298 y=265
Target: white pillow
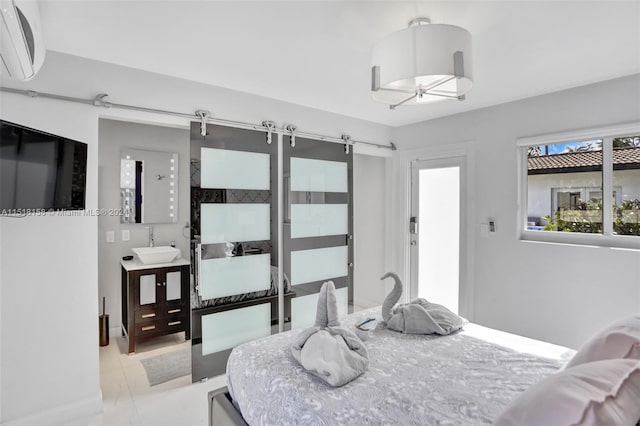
x=597 y=393
x=619 y=340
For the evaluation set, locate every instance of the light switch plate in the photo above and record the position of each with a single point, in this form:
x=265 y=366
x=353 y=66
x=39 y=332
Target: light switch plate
x=126 y=235
x=111 y=236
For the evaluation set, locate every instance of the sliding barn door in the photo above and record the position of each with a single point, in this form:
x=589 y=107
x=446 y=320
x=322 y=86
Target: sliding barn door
x=318 y=228
x=234 y=226
x=242 y=289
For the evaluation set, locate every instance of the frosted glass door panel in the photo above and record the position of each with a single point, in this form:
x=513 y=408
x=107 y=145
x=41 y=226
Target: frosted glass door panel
x=147 y=289
x=318 y=175
x=318 y=264
x=316 y=220
x=224 y=330
x=173 y=285
x=222 y=168
x=234 y=222
x=235 y=199
x=303 y=309
x=439 y=246
x=235 y=275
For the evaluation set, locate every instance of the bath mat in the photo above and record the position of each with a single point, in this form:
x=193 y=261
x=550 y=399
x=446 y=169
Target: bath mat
x=167 y=366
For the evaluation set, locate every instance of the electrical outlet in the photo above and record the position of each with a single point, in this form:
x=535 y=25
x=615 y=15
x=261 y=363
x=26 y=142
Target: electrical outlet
x=126 y=235
x=111 y=236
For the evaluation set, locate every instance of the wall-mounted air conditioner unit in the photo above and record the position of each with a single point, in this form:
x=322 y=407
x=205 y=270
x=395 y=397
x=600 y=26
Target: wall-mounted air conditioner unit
x=21 y=45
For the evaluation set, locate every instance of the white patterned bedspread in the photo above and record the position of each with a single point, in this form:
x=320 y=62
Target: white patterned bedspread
x=462 y=379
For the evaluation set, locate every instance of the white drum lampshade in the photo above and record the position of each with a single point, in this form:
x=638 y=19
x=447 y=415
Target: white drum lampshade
x=423 y=63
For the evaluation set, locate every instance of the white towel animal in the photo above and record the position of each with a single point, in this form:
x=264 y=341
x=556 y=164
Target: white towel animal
x=419 y=316
x=327 y=350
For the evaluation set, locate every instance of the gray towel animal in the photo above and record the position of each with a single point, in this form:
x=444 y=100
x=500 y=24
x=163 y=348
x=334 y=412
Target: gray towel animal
x=327 y=350
x=418 y=316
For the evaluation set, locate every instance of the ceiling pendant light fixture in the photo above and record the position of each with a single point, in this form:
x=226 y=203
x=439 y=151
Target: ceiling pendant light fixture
x=423 y=63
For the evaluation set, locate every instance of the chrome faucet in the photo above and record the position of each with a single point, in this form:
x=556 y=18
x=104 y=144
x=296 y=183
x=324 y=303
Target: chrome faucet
x=150 y=229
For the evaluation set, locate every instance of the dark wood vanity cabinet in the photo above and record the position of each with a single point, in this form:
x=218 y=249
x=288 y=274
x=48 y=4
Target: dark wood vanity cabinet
x=155 y=302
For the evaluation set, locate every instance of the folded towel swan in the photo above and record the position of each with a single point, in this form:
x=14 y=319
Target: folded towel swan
x=327 y=350
x=418 y=316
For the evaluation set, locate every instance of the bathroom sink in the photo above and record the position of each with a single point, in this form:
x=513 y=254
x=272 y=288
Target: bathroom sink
x=152 y=255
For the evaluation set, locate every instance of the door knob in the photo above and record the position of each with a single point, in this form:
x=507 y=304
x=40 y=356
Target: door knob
x=413 y=242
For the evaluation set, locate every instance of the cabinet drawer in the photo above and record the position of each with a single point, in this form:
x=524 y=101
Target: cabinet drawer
x=149 y=328
x=175 y=310
x=174 y=322
x=147 y=315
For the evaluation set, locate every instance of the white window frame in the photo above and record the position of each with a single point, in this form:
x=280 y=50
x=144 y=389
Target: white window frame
x=607 y=238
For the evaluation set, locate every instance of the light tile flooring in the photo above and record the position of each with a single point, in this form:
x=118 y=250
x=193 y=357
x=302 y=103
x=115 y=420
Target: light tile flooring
x=129 y=400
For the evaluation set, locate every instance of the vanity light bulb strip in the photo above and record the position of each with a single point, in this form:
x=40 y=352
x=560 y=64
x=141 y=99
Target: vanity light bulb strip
x=171 y=184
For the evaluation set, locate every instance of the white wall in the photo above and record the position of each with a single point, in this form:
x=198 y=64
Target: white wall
x=114 y=136
x=49 y=289
x=369 y=211
x=559 y=293
x=49 y=267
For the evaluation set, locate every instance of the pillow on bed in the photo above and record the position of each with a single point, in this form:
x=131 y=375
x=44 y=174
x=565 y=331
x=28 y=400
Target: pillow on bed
x=620 y=340
x=597 y=393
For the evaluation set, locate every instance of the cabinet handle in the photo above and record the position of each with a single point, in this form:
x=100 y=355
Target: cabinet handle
x=174 y=311
x=159 y=284
x=164 y=284
x=149 y=327
x=148 y=315
x=175 y=323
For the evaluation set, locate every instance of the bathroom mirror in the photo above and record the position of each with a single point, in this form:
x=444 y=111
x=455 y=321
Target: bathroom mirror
x=148 y=186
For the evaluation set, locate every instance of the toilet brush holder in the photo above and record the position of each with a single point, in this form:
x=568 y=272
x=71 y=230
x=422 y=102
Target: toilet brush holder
x=103 y=326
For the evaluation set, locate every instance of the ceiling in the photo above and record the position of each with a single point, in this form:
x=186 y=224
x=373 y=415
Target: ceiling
x=318 y=53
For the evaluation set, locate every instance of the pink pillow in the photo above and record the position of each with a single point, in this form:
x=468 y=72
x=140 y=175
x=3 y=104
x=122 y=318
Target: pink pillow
x=598 y=393
x=620 y=340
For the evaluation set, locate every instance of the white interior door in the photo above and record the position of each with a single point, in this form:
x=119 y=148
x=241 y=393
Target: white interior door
x=435 y=226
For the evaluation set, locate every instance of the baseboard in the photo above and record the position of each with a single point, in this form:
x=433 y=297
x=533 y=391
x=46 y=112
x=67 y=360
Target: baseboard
x=115 y=331
x=63 y=414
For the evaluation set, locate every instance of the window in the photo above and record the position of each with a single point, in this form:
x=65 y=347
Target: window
x=564 y=177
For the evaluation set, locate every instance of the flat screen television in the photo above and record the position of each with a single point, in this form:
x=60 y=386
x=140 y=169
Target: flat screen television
x=40 y=171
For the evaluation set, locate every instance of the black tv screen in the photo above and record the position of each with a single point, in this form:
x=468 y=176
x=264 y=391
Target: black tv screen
x=40 y=171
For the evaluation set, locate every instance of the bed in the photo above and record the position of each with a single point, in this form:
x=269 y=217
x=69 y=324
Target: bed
x=464 y=378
